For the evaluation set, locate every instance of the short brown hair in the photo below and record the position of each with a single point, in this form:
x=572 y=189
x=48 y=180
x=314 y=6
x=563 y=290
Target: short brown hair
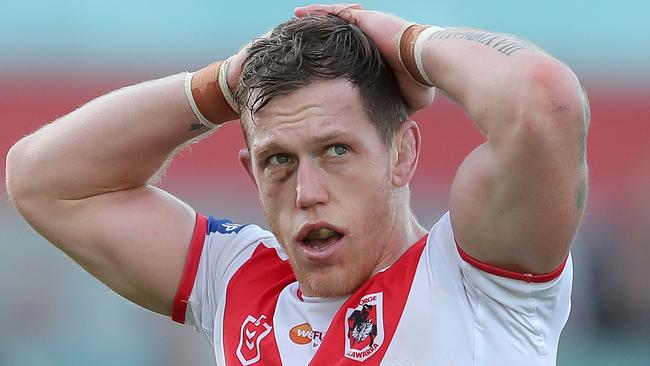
x=316 y=47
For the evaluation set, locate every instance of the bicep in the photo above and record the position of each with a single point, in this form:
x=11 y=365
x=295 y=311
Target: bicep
x=516 y=203
x=134 y=241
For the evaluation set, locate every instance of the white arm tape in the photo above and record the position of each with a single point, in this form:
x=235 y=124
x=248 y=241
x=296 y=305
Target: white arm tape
x=188 y=93
x=225 y=89
x=398 y=40
x=419 y=43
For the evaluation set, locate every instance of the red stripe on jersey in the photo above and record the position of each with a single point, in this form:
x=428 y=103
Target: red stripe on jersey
x=179 y=307
x=251 y=298
x=395 y=284
x=527 y=277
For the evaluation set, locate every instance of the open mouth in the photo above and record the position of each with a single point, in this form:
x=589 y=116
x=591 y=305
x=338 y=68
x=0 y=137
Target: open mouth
x=319 y=241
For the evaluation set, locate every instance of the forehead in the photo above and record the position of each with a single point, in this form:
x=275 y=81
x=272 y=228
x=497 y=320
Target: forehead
x=322 y=107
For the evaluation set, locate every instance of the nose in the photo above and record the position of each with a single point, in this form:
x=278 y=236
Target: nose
x=310 y=187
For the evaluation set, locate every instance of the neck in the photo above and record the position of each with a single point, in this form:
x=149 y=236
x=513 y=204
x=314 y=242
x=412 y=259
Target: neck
x=406 y=232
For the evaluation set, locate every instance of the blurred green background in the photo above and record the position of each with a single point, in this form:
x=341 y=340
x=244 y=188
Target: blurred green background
x=56 y=55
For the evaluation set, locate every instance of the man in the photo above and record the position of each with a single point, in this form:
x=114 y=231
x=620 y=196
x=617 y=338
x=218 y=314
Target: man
x=346 y=274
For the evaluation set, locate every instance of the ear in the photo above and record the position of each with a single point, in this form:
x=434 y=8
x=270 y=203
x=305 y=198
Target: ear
x=406 y=149
x=247 y=164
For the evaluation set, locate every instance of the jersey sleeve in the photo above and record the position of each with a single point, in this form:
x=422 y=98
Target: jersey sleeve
x=528 y=309
x=218 y=248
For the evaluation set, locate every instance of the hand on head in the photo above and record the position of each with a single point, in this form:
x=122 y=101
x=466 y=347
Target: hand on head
x=383 y=29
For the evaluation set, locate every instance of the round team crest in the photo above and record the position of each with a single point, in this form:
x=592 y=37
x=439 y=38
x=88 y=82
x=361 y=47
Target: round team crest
x=364 y=327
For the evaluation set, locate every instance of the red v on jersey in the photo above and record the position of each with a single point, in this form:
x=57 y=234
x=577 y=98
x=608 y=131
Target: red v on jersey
x=251 y=297
x=361 y=330
x=386 y=293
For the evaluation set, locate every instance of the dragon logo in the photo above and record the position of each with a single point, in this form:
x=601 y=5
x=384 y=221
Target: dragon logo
x=361 y=325
x=364 y=327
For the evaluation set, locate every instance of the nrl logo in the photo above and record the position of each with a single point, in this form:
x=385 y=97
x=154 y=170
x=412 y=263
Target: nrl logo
x=364 y=327
x=253 y=330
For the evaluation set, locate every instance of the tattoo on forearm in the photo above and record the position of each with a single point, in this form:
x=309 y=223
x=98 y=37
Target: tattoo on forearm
x=583 y=185
x=586 y=108
x=581 y=194
x=499 y=42
x=195 y=127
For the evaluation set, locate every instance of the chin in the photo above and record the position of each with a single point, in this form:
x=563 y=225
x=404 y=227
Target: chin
x=330 y=283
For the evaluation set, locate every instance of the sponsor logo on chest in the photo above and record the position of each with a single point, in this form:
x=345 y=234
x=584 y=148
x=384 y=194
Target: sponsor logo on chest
x=303 y=334
x=364 y=327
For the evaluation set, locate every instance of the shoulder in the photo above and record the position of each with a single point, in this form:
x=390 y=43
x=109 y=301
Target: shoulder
x=221 y=250
x=224 y=235
x=502 y=307
x=470 y=272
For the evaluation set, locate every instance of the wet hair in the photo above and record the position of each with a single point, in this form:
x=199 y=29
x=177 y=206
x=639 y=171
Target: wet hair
x=319 y=47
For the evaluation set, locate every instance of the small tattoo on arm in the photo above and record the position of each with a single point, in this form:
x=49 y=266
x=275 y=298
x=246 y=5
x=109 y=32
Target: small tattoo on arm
x=586 y=108
x=195 y=127
x=583 y=185
x=581 y=194
x=500 y=43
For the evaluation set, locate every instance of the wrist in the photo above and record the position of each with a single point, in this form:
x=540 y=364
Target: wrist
x=410 y=42
x=209 y=95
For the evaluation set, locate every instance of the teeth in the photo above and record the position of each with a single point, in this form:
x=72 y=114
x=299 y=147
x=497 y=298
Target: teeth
x=320 y=234
x=318 y=246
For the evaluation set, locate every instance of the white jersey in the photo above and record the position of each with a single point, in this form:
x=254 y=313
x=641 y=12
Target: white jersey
x=435 y=306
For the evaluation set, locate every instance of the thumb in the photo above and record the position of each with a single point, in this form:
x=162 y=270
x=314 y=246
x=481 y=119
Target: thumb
x=344 y=11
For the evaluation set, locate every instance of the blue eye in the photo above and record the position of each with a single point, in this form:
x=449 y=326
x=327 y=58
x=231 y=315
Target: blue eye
x=337 y=150
x=279 y=159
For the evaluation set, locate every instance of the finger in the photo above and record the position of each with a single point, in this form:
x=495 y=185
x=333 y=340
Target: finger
x=336 y=9
x=353 y=6
x=327 y=7
x=302 y=11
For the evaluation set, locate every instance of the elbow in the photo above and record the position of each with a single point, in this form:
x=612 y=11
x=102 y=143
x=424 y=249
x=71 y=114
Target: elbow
x=17 y=177
x=553 y=99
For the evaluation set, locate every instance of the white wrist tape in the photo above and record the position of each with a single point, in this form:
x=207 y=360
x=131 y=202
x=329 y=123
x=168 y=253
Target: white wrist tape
x=188 y=93
x=419 y=43
x=398 y=40
x=225 y=89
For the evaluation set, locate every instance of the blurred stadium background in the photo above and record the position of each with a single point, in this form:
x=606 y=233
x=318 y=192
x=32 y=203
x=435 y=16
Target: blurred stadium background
x=56 y=55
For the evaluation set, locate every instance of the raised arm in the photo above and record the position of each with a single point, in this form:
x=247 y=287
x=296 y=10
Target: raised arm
x=517 y=199
x=83 y=183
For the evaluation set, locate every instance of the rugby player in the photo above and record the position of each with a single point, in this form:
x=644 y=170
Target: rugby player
x=346 y=274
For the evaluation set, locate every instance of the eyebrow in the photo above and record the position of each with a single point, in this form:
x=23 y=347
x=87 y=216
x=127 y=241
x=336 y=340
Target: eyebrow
x=261 y=150
x=330 y=137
